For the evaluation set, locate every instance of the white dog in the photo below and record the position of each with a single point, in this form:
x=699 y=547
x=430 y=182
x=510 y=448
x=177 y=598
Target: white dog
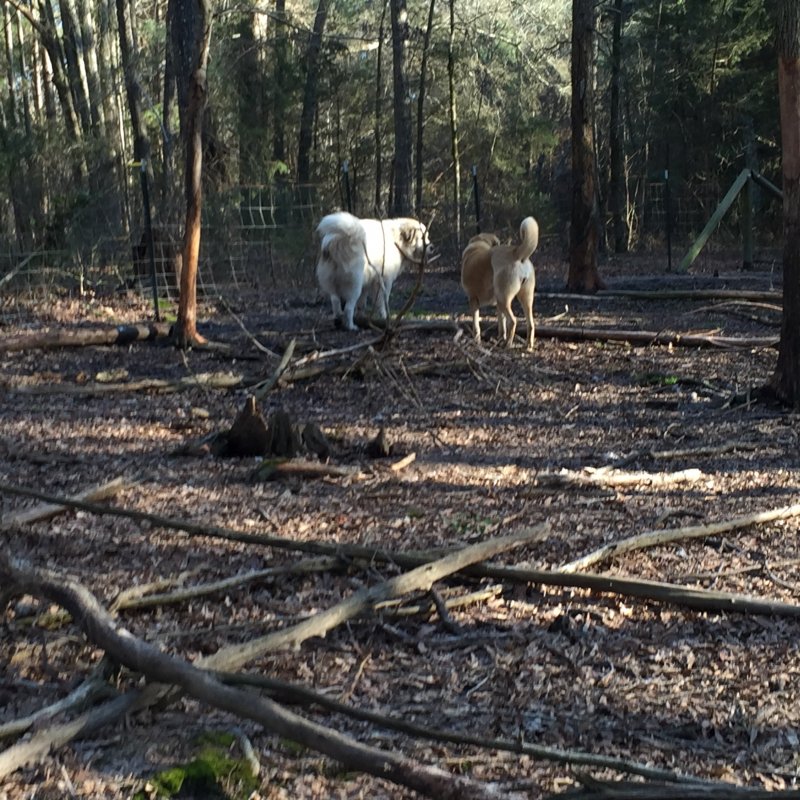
x=496 y=273
x=361 y=258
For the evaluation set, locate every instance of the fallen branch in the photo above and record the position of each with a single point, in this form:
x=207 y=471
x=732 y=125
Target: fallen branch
x=43 y=742
x=94 y=687
x=85 y=337
x=208 y=380
x=637 y=337
x=260 y=390
x=605 y=477
x=602 y=790
x=684 y=452
x=655 y=538
x=419 y=578
x=214 y=587
x=394 y=607
x=698 y=599
x=300 y=695
x=124 y=648
x=276 y=469
x=48 y=510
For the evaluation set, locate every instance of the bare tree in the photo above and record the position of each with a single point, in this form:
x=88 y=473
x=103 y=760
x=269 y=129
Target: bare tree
x=423 y=74
x=786 y=380
x=192 y=31
x=310 y=95
x=379 y=114
x=401 y=196
x=583 y=275
x=617 y=193
x=453 y=115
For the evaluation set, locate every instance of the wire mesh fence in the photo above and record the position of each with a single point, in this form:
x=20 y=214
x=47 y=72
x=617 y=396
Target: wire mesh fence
x=259 y=239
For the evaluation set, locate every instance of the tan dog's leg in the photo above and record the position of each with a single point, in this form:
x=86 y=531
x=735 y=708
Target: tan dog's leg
x=526 y=299
x=475 y=308
x=509 y=326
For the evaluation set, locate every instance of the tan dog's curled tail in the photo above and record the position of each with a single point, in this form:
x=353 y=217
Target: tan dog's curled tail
x=529 y=239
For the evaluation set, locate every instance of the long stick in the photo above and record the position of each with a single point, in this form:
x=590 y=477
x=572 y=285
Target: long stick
x=47 y=510
x=420 y=578
x=654 y=538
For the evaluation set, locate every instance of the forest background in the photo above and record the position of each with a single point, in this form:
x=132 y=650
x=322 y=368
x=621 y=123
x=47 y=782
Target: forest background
x=301 y=119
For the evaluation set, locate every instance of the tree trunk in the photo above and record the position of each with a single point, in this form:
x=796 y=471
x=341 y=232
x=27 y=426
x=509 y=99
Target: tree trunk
x=379 y=115
x=786 y=380
x=423 y=73
x=279 y=85
x=9 y=137
x=451 y=84
x=167 y=134
x=75 y=67
x=401 y=196
x=583 y=275
x=309 y=111
x=185 y=332
x=617 y=193
x=54 y=50
x=141 y=144
x=252 y=113
x=90 y=67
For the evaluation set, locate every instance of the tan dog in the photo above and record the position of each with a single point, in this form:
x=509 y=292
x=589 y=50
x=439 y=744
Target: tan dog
x=495 y=273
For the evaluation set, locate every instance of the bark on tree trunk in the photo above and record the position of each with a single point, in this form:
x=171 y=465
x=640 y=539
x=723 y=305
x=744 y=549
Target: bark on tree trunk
x=279 y=87
x=423 y=74
x=141 y=144
x=185 y=331
x=75 y=67
x=309 y=111
x=167 y=134
x=379 y=116
x=583 y=275
x=786 y=380
x=453 y=112
x=617 y=192
x=401 y=198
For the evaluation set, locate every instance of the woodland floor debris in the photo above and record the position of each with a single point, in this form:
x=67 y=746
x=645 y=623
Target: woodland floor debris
x=710 y=694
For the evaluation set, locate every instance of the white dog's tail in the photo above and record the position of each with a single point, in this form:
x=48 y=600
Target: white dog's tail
x=529 y=239
x=342 y=238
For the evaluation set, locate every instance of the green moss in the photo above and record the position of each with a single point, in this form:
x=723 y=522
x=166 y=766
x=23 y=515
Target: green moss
x=213 y=774
x=293 y=748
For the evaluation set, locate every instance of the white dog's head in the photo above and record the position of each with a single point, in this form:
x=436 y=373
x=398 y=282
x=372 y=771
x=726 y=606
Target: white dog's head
x=413 y=241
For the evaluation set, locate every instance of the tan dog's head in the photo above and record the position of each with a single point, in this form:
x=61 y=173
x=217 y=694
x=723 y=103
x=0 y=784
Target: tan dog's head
x=413 y=242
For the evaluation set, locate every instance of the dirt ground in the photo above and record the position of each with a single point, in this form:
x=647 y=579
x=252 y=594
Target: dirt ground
x=711 y=694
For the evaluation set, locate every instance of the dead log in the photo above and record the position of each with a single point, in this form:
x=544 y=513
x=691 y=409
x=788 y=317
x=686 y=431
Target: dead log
x=85 y=337
x=123 y=647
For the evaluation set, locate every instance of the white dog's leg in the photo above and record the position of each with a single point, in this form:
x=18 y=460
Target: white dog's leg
x=336 y=305
x=349 y=310
x=382 y=299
